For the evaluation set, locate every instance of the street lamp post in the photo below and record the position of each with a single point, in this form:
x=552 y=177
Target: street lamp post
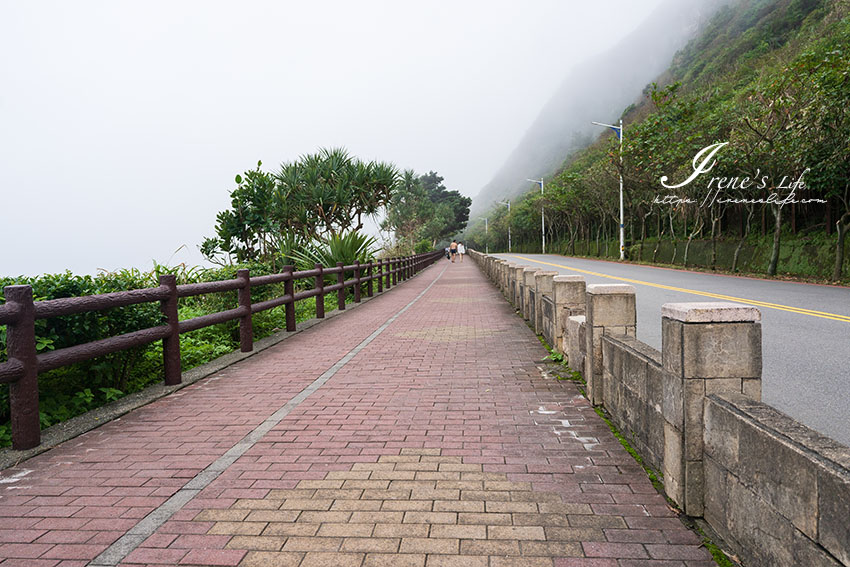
x=508 y=203
x=542 y=216
x=619 y=131
x=486 y=236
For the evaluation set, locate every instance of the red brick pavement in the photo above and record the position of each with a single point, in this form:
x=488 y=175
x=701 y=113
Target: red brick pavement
x=441 y=443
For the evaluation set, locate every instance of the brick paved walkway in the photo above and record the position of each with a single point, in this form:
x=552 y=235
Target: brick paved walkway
x=439 y=443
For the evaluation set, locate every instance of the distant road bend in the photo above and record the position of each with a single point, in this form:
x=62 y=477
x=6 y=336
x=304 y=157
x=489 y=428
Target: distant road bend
x=805 y=329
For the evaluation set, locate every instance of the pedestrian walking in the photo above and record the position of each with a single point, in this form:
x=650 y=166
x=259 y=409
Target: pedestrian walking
x=453 y=249
x=461 y=250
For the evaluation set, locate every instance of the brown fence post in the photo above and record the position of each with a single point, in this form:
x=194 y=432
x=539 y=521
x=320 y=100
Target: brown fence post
x=340 y=295
x=23 y=393
x=246 y=325
x=289 y=289
x=369 y=278
x=381 y=276
x=394 y=269
x=357 y=282
x=171 y=343
x=320 y=299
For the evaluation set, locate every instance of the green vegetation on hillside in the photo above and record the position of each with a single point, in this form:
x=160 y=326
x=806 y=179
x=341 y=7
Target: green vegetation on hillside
x=770 y=79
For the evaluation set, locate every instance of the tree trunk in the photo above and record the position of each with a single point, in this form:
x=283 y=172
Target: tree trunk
x=698 y=223
x=777 y=226
x=842 y=226
x=673 y=240
x=660 y=235
x=746 y=232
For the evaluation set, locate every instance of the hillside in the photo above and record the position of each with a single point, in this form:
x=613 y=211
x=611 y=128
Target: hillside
x=597 y=90
x=766 y=81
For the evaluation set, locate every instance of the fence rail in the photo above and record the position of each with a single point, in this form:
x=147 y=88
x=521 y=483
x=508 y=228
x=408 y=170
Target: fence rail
x=20 y=312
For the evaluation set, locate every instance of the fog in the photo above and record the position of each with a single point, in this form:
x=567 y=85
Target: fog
x=597 y=89
x=122 y=125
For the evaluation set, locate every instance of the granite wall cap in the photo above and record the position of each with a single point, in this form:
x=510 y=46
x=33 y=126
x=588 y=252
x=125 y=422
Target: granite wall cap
x=611 y=289
x=711 y=312
x=569 y=278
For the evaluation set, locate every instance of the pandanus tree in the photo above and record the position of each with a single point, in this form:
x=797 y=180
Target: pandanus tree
x=323 y=194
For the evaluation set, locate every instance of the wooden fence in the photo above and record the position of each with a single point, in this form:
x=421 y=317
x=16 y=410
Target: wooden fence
x=20 y=312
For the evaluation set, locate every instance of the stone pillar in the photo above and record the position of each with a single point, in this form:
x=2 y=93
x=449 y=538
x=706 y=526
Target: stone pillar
x=707 y=348
x=576 y=342
x=568 y=295
x=503 y=269
x=609 y=309
x=517 y=282
x=543 y=285
x=528 y=292
x=508 y=281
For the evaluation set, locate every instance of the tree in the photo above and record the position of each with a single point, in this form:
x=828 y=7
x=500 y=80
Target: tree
x=455 y=210
x=423 y=209
x=326 y=193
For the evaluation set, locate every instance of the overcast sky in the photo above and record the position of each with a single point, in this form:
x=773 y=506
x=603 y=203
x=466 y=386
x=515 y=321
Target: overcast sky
x=122 y=124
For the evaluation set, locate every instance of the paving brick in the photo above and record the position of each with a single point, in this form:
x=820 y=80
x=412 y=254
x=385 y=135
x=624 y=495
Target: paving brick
x=525 y=561
x=346 y=530
x=415 y=517
x=426 y=441
x=237 y=528
x=551 y=548
x=288 y=529
x=458 y=531
x=324 y=559
x=458 y=506
x=619 y=550
x=256 y=543
x=394 y=560
x=271 y=559
x=225 y=557
x=489 y=547
x=457 y=561
x=485 y=519
x=667 y=551
x=370 y=544
x=515 y=532
x=297 y=543
x=429 y=545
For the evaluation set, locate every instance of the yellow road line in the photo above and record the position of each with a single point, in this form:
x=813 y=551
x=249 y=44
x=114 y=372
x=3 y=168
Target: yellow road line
x=799 y=310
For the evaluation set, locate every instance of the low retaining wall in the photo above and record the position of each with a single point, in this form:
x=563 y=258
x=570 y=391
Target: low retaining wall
x=776 y=491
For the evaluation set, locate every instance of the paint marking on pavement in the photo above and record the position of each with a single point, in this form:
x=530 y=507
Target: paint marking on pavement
x=798 y=310
x=147 y=526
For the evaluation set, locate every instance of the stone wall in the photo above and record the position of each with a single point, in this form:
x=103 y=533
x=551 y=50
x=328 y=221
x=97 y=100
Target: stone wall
x=777 y=492
x=634 y=395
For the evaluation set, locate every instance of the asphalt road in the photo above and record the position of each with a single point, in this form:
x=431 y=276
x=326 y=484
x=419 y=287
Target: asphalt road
x=805 y=330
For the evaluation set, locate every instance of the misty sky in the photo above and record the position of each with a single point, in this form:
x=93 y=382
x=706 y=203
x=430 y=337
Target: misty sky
x=122 y=124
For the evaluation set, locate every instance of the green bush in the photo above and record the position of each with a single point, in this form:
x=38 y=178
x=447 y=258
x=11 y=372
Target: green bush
x=423 y=246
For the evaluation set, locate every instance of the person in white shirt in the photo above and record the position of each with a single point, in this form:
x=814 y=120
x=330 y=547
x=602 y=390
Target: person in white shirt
x=461 y=250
